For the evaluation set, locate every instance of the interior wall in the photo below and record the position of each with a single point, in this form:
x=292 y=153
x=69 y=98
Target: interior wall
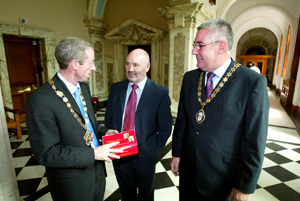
x=63 y=18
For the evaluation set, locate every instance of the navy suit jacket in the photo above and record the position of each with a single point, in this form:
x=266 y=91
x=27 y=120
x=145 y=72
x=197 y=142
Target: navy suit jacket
x=227 y=149
x=153 y=119
x=57 y=142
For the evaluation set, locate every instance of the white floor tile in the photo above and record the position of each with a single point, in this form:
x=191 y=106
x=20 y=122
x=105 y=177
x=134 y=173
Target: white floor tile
x=267 y=179
x=31 y=172
x=262 y=195
x=294 y=184
x=21 y=161
x=268 y=163
x=293 y=167
x=166 y=194
x=295 y=156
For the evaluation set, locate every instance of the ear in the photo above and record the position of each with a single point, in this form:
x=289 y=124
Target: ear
x=222 y=47
x=74 y=64
x=148 y=67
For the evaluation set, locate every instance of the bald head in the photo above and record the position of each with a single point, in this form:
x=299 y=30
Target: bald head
x=137 y=65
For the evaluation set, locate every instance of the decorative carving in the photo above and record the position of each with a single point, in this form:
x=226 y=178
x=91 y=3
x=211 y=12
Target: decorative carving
x=99 y=64
x=134 y=33
x=179 y=54
x=110 y=73
x=190 y=13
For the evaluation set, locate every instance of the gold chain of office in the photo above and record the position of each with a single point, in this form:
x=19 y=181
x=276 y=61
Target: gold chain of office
x=88 y=136
x=200 y=115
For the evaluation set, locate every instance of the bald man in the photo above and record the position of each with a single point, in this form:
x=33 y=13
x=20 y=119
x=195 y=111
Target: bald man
x=152 y=122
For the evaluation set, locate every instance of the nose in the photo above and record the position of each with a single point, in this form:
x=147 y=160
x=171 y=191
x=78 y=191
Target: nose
x=195 y=51
x=129 y=67
x=93 y=68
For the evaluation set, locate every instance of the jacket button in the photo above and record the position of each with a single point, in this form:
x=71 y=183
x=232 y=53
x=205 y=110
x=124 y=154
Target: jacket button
x=197 y=133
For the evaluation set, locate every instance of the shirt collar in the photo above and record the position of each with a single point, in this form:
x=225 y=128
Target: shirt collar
x=222 y=69
x=71 y=87
x=140 y=84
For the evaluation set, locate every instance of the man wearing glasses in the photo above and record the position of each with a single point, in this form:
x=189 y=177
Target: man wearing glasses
x=222 y=122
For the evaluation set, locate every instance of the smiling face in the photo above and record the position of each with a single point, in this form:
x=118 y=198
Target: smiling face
x=207 y=56
x=137 y=65
x=85 y=68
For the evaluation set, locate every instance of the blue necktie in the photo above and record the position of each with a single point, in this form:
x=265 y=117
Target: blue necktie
x=86 y=118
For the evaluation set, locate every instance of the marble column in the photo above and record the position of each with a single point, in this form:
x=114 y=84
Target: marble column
x=8 y=182
x=98 y=79
x=183 y=21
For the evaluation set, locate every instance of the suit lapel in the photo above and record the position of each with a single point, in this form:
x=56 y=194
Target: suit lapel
x=60 y=86
x=226 y=85
x=145 y=94
x=122 y=92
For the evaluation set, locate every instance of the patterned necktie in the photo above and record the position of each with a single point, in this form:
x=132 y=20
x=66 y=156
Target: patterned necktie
x=130 y=110
x=209 y=84
x=85 y=115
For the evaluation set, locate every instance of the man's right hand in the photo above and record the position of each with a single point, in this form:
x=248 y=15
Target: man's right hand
x=105 y=152
x=175 y=165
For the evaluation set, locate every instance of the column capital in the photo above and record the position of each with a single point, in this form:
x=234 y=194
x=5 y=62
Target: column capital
x=96 y=28
x=186 y=16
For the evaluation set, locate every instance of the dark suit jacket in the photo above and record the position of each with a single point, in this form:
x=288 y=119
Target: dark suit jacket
x=227 y=149
x=57 y=142
x=153 y=119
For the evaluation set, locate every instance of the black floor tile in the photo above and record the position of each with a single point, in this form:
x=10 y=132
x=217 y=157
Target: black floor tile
x=29 y=186
x=32 y=161
x=22 y=152
x=275 y=147
x=281 y=173
x=166 y=163
x=283 y=193
x=18 y=170
x=297 y=150
x=277 y=158
x=162 y=180
x=15 y=145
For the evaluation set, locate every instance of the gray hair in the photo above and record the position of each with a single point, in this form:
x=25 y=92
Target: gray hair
x=71 y=48
x=219 y=30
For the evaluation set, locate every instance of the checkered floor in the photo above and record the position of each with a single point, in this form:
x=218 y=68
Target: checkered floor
x=279 y=180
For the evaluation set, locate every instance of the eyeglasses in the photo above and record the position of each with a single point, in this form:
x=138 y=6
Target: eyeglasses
x=200 y=46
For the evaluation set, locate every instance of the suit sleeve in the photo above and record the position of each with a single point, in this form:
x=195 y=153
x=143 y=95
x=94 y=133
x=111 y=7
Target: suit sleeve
x=179 y=125
x=254 y=139
x=109 y=109
x=46 y=126
x=164 y=119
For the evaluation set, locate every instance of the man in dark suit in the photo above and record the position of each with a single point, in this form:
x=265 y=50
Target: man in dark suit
x=152 y=124
x=219 y=138
x=63 y=138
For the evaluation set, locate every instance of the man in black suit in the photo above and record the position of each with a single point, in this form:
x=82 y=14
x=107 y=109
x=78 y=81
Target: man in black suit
x=63 y=138
x=152 y=124
x=219 y=138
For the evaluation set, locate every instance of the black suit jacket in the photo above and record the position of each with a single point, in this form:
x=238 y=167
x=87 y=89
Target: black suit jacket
x=227 y=149
x=153 y=119
x=57 y=142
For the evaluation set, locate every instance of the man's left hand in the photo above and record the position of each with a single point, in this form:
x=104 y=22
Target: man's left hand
x=237 y=195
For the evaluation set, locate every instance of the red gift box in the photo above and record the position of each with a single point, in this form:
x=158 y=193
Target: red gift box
x=127 y=142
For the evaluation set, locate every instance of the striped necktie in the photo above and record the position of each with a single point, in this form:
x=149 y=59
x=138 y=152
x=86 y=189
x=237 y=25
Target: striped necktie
x=209 y=84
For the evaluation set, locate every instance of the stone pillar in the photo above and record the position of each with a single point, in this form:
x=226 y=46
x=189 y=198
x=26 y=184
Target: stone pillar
x=98 y=79
x=8 y=182
x=183 y=21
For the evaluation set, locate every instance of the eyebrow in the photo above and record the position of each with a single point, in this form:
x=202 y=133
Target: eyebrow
x=198 y=42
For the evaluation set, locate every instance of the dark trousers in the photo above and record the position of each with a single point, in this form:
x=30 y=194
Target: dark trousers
x=136 y=181
x=188 y=190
